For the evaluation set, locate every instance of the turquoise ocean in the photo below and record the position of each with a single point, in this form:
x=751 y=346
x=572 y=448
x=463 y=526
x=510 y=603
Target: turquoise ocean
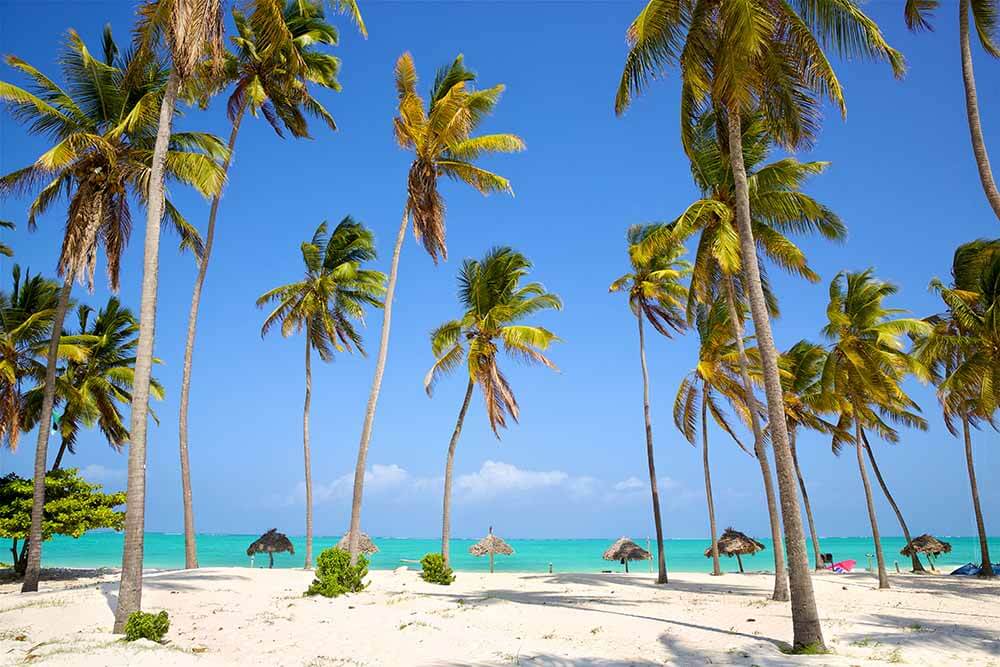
x=166 y=551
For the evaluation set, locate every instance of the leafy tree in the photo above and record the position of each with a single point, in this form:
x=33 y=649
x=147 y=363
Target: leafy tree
x=334 y=292
x=442 y=143
x=655 y=294
x=495 y=304
x=864 y=369
x=72 y=507
x=962 y=351
x=767 y=57
x=985 y=15
x=102 y=130
x=716 y=376
x=267 y=80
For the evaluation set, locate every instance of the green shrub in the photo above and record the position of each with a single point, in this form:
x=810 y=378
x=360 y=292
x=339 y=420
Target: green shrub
x=435 y=570
x=335 y=575
x=141 y=625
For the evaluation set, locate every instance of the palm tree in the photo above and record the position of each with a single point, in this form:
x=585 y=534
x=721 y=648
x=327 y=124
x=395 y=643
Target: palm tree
x=985 y=15
x=778 y=206
x=963 y=354
x=769 y=57
x=263 y=83
x=188 y=30
x=716 y=376
x=864 y=369
x=91 y=390
x=655 y=293
x=805 y=404
x=442 y=144
x=102 y=132
x=5 y=249
x=334 y=292
x=494 y=304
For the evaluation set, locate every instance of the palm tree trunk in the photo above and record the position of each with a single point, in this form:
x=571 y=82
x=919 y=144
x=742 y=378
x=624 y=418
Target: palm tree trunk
x=760 y=451
x=805 y=501
x=190 y=545
x=716 y=570
x=448 y=468
x=806 y=629
x=63 y=446
x=130 y=589
x=661 y=577
x=883 y=577
x=305 y=452
x=34 y=565
x=366 y=430
x=972 y=111
x=986 y=570
x=915 y=560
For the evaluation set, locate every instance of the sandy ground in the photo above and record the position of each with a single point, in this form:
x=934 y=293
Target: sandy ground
x=259 y=617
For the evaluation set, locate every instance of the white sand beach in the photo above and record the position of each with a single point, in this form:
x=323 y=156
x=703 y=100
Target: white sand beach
x=260 y=617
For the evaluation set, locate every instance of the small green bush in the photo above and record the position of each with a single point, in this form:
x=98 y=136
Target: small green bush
x=435 y=570
x=335 y=575
x=141 y=625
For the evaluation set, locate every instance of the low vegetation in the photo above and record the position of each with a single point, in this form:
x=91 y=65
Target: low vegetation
x=143 y=625
x=434 y=570
x=335 y=575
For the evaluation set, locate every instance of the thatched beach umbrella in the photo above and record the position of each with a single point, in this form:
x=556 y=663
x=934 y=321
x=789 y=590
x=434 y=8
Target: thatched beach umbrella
x=734 y=543
x=625 y=550
x=271 y=542
x=491 y=545
x=365 y=544
x=926 y=544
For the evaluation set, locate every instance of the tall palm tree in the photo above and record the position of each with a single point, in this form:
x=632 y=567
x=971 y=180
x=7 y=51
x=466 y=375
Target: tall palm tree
x=102 y=131
x=963 y=354
x=264 y=82
x=806 y=403
x=656 y=294
x=778 y=206
x=769 y=57
x=442 y=143
x=985 y=15
x=188 y=31
x=333 y=293
x=90 y=391
x=716 y=376
x=494 y=304
x=864 y=369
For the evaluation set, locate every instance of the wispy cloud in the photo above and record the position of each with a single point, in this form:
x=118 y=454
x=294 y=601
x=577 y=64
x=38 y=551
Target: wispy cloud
x=95 y=472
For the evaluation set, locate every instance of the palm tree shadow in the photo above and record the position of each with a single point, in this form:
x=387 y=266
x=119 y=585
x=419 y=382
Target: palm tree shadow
x=173 y=581
x=946 y=636
x=718 y=587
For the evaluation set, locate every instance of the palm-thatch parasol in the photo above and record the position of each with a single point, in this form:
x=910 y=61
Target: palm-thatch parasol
x=926 y=544
x=625 y=550
x=271 y=542
x=734 y=543
x=491 y=545
x=365 y=544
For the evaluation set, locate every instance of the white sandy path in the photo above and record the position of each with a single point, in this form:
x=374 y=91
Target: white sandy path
x=259 y=617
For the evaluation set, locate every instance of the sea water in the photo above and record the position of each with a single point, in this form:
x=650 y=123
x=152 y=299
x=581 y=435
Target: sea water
x=166 y=551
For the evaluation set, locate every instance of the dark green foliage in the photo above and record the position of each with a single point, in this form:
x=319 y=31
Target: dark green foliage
x=335 y=575
x=435 y=570
x=141 y=625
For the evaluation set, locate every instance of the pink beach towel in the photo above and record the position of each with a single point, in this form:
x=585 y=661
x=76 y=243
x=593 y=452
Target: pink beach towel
x=843 y=566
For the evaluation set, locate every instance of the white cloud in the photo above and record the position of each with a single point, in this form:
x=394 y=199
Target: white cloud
x=630 y=484
x=495 y=478
x=95 y=472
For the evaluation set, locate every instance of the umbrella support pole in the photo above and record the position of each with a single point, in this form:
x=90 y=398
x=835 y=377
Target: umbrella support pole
x=739 y=561
x=270 y=556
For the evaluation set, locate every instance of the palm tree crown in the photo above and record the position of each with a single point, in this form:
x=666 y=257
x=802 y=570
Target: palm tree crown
x=654 y=286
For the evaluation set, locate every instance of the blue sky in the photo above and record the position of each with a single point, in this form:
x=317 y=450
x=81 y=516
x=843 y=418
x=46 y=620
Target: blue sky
x=902 y=178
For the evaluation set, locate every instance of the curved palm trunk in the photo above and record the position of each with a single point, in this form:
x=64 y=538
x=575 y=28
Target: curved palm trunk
x=716 y=570
x=986 y=570
x=305 y=452
x=661 y=577
x=63 y=446
x=915 y=560
x=33 y=568
x=883 y=577
x=448 y=468
x=190 y=545
x=130 y=589
x=972 y=111
x=759 y=450
x=818 y=560
x=806 y=628
x=366 y=430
